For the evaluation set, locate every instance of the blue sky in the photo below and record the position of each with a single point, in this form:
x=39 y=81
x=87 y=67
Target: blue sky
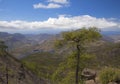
x=44 y=15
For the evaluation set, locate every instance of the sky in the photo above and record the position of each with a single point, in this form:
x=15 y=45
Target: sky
x=51 y=16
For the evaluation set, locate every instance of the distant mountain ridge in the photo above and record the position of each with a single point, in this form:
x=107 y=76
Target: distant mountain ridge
x=113 y=36
x=110 y=32
x=21 y=45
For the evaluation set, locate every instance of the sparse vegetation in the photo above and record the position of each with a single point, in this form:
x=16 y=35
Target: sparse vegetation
x=58 y=66
x=108 y=75
x=43 y=64
x=12 y=71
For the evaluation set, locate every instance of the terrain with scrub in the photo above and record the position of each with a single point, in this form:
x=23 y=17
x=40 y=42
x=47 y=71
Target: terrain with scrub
x=30 y=60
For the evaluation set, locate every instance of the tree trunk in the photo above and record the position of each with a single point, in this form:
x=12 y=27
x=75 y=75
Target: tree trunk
x=77 y=65
x=6 y=75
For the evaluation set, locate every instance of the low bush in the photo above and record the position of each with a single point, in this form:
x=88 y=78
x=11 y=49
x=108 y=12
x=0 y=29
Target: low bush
x=109 y=75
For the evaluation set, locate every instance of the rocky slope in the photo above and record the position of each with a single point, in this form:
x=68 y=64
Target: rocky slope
x=12 y=71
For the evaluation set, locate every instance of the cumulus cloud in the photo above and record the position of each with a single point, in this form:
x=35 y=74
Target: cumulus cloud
x=59 y=1
x=50 y=5
x=61 y=22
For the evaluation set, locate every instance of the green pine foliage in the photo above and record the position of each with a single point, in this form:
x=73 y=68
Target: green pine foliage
x=73 y=66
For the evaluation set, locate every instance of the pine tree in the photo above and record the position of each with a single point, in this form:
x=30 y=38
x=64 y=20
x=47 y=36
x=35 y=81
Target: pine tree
x=78 y=39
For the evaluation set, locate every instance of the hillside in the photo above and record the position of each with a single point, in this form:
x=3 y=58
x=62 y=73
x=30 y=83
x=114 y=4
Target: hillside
x=12 y=71
x=45 y=64
x=107 y=54
x=116 y=38
x=21 y=45
x=40 y=59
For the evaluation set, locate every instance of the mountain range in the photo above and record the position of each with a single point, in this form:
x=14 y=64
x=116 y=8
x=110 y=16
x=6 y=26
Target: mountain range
x=21 y=45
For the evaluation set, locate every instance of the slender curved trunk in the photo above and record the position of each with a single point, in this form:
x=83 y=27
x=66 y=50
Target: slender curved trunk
x=77 y=65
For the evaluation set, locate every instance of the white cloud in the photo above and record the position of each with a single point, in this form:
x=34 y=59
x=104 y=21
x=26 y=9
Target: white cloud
x=59 y=1
x=50 y=5
x=62 y=22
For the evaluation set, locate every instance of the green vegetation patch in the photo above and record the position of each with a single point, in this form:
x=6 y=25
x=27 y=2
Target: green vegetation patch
x=109 y=75
x=43 y=64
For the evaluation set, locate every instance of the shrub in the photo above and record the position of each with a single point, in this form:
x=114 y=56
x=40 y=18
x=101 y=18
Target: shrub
x=109 y=75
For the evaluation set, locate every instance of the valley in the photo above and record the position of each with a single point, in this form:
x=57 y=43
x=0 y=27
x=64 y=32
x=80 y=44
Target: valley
x=41 y=59
x=25 y=44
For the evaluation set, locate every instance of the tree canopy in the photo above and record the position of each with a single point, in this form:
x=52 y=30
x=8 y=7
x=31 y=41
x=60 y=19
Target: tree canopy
x=73 y=65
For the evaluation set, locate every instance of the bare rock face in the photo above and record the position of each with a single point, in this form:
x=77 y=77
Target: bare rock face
x=89 y=76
